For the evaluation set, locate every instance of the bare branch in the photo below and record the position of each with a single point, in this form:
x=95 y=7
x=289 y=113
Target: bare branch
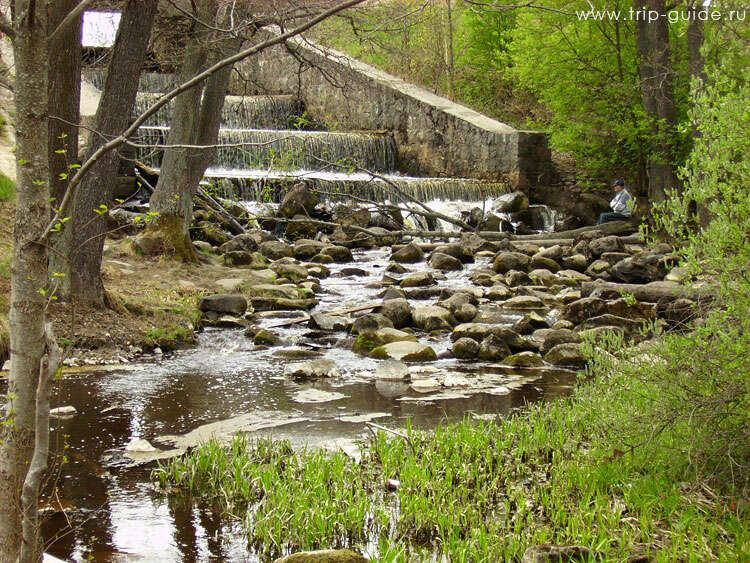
x=69 y=19
x=504 y=7
x=116 y=142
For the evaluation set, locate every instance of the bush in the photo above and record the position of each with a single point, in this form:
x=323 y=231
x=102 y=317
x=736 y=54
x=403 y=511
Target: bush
x=7 y=188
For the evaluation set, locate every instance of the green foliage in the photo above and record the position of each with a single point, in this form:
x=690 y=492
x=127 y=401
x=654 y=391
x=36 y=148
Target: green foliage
x=473 y=491
x=7 y=188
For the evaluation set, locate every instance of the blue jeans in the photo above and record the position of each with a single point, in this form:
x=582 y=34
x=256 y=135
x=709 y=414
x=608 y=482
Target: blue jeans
x=611 y=216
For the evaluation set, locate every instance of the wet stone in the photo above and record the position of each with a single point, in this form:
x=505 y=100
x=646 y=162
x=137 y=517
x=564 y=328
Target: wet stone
x=313 y=369
x=405 y=351
x=523 y=359
x=418 y=279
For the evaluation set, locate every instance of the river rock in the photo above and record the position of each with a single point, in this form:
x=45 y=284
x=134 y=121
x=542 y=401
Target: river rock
x=398 y=311
x=140 y=445
x=573 y=276
x=405 y=351
x=599 y=333
x=211 y=233
x=418 y=279
x=498 y=292
x=339 y=254
x=636 y=269
x=599 y=269
x=558 y=553
x=493 y=349
x=368 y=340
x=321 y=259
x=458 y=251
x=244 y=258
x=287 y=291
x=317 y=271
x=223 y=303
x=511 y=203
x=577 y=262
x=248 y=241
x=392 y=370
x=542 y=262
x=523 y=302
x=676 y=312
x=552 y=337
x=606 y=244
x=266 y=338
x=465 y=349
x=409 y=254
x=354 y=272
x=359 y=218
x=296 y=353
x=554 y=252
x=321 y=321
x=432 y=318
x=444 y=262
x=523 y=359
x=456 y=300
x=465 y=313
x=507 y=261
x=274 y=249
x=480 y=331
x=396 y=268
x=530 y=322
x=567 y=355
x=290 y=270
x=313 y=369
x=613 y=258
x=630 y=326
x=305 y=249
x=371 y=322
x=541 y=276
x=299 y=200
x=580 y=310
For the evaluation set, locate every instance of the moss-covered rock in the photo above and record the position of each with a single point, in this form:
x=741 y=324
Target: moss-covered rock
x=266 y=338
x=405 y=351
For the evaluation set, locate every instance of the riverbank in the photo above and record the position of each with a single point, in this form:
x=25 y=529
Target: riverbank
x=561 y=473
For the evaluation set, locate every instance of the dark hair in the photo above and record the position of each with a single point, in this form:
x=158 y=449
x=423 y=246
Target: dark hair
x=618 y=183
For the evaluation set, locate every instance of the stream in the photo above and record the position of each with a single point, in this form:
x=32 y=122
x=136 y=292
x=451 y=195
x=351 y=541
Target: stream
x=225 y=384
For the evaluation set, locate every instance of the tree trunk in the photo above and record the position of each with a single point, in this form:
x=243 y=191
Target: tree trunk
x=64 y=103
x=29 y=271
x=196 y=121
x=94 y=195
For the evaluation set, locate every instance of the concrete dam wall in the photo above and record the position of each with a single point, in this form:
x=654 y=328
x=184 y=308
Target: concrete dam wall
x=434 y=136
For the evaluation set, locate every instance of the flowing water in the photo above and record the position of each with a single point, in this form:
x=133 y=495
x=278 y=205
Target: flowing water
x=225 y=381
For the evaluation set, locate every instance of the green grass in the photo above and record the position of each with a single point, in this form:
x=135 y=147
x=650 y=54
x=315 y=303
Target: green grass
x=7 y=188
x=478 y=491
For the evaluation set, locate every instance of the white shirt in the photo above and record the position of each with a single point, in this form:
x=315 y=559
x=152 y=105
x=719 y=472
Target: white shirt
x=622 y=203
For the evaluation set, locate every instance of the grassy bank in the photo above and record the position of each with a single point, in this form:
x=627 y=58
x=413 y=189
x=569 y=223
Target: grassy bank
x=566 y=472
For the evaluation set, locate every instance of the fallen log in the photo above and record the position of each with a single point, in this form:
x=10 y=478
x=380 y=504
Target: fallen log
x=611 y=228
x=649 y=292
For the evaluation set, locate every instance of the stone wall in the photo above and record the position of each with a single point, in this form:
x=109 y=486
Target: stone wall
x=435 y=137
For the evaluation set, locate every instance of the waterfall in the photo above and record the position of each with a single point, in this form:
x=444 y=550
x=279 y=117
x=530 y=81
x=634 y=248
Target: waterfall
x=262 y=185
x=149 y=81
x=254 y=149
x=239 y=112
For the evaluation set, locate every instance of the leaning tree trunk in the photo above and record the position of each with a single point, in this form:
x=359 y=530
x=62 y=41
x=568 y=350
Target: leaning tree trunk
x=196 y=121
x=94 y=195
x=64 y=103
x=29 y=271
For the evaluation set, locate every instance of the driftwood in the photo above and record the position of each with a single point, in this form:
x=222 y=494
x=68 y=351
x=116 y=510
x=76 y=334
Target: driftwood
x=336 y=313
x=611 y=228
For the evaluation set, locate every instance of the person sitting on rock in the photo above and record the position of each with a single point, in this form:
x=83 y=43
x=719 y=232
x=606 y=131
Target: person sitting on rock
x=622 y=205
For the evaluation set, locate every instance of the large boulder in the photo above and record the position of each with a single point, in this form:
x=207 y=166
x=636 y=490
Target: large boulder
x=511 y=203
x=473 y=243
x=524 y=359
x=567 y=355
x=290 y=270
x=542 y=262
x=299 y=200
x=223 y=303
x=408 y=254
x=368 y=340
x=581 y=309
x=358 y=218
x=444 y=262
x=248 y=241
x=465 y=349
x=405 y=352
x=301 y=227
x=507 y=261
x=370 y=322
x=456 y=250
x=606 y=244
x=480 y=331
x=637 y=269
x=340 y=254
x=304 y=249
x=432 y=318
x=553 y=337
x=398 y=311
x=274 y=250
x=493 y=349
x=418 y=279
x=577 y=262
